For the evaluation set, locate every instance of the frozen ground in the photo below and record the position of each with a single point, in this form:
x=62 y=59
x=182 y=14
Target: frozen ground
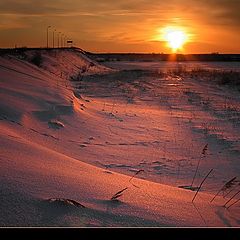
x=165 y=66
x=74 y=129
x=162 y=121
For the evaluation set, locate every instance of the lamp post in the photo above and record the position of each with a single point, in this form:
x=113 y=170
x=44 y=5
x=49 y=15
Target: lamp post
x=65 y=45
x=62 y=40
x=58 y=38
x=47 y=35
x=53 y=36
x=65 y=41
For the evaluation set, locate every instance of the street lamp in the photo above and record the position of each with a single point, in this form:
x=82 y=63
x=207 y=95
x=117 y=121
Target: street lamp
x=58 y=38
x=47 y=35
x=65 y=45
x=53 y=36
x=62 y=40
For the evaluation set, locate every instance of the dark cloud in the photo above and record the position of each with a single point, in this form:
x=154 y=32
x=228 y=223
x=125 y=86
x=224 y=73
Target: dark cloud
x=222 y=12
x=26 y=7
x=213 y=11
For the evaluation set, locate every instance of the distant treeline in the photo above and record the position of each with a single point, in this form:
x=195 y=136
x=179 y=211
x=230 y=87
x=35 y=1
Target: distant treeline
x=102 y=57
x=148 y=57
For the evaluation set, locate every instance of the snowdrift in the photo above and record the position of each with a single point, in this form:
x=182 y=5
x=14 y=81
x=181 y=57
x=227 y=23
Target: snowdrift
x=43 y=180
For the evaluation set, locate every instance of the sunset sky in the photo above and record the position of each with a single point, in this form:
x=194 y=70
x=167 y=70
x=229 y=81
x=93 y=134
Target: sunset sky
x=123 y=25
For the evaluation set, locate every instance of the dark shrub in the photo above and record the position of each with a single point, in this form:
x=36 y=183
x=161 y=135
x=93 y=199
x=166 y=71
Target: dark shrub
x=37 y=59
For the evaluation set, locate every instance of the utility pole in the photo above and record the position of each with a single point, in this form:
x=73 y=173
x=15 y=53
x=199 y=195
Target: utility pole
x=53 y=36
x=58 y=38
x=62 y=40
x=47 y=35
x=66 y=41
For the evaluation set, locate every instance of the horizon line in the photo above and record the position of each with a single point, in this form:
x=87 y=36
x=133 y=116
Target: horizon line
x=92 y=52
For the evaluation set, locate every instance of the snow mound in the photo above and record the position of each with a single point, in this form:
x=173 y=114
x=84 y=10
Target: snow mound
x=38 y=96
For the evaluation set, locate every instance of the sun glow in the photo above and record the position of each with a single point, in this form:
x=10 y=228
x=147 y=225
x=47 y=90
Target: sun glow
x=175 y=38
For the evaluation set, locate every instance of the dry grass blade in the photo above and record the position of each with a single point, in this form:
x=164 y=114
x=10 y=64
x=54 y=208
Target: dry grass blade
x=202 y=184
x=227 y=185
x=233 y=203
x=205 y=149
x=65 y=201
x=231 y=198
x=232 y=186
x=75 y=203
x=136 y=174
x=204 y=153
x=118 y=194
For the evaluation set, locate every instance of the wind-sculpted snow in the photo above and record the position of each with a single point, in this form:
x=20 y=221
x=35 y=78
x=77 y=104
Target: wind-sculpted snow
x=75 y=134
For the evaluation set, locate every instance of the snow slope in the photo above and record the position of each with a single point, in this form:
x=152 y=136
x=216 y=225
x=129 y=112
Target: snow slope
x=49 y=134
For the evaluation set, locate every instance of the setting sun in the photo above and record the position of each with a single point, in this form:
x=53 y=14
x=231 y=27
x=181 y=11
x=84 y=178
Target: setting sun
x=175 y=38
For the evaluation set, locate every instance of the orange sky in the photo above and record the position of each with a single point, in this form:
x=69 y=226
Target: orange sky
x=124 y=25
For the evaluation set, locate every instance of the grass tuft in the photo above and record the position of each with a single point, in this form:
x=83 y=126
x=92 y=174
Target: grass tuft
x=118 y=194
